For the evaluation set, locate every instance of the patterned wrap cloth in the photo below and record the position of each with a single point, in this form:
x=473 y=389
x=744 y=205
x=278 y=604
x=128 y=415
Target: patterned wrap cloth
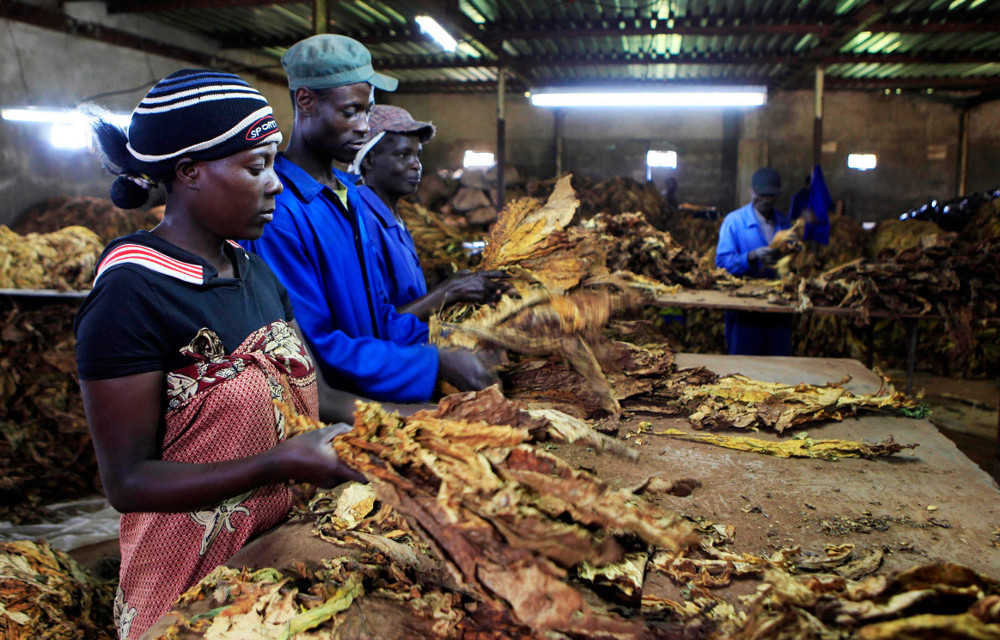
x=219 y=408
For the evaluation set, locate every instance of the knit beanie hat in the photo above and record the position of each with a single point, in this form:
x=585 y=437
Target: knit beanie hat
x=196 y=113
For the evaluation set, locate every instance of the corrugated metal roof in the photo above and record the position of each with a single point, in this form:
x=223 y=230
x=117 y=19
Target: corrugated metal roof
x=861 y=43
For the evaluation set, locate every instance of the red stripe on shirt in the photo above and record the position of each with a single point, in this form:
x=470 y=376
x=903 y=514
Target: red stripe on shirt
x=127 y=251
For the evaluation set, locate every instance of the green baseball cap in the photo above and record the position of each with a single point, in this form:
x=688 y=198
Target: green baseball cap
x=327 y=60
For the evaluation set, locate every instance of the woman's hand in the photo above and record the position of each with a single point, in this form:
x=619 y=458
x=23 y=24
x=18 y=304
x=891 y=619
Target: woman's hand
x=310 y=457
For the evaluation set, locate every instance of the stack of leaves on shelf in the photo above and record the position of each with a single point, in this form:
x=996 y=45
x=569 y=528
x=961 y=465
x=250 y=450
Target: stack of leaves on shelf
x=45 y=594
x=439 y=244
x=61 y=260
x=45 y=453
x=958 y=281
x=97 y=214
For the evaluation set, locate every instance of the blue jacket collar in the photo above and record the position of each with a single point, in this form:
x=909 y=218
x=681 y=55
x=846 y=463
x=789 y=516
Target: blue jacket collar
x=781 y=220
x=378 y=207
x=294 y=176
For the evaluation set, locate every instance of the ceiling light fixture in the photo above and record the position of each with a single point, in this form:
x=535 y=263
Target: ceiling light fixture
x=68 y=128
x=47 y=115
x=431 y=27
x=678 y=97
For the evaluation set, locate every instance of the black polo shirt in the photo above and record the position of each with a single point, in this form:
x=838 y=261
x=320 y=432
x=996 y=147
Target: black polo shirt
x=151 y=298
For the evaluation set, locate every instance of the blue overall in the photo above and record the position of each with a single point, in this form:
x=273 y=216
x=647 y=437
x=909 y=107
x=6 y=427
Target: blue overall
x=748 y=333
x=321 y=252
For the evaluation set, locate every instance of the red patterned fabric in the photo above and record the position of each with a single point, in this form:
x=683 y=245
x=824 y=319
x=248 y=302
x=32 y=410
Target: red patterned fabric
x=219 y=408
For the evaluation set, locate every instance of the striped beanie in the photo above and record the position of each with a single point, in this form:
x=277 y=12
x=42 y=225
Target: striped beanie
x=194 y=113
x=200 y=114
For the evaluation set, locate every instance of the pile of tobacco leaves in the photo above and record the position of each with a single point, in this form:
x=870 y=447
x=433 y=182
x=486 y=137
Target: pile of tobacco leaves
x=566 y=353
x=45 y=594
x=471 y=530
x=61 y=260
x=439 y=245
x=97 y=214
x=45 y=453
x=956 y=280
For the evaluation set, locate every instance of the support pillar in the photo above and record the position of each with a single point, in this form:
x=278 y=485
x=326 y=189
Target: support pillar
x=560 y=120
x=321 y=16
x=963 y=151
x=501 y=136
x=818 y=118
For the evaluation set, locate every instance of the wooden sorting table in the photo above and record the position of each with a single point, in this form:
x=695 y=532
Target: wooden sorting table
x=727 y=301
x=806 y=501
x=774 y=502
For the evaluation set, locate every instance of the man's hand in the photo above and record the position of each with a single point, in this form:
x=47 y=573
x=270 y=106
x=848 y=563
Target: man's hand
x=762 y=255
x=464 y=370
x=480 y=287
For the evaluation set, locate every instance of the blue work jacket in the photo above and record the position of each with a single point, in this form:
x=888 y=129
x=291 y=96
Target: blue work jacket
x=740 y=234
x=320 y=251
x=747 y=333
x=393 y=251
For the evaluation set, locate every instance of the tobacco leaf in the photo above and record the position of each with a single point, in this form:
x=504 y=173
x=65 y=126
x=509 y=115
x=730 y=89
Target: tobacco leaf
x=61 y=260
x=45 y=594
x=739 y=402
x=509 y=518
x=97 y=214
x=45 y=450
x=931 y=601
x=801 y=446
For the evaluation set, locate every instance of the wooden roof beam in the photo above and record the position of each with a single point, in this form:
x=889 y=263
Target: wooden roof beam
x=424 y=62
x=58 y=21
x=152 y=6
x=661 y=27
x=934 y=82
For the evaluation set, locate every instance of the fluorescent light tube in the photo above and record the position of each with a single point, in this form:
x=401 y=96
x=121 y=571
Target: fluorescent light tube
x=688 y=97
x=431 y=27
x=56 y=116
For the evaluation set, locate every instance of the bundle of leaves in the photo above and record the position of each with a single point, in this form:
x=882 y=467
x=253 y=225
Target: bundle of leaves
x=45 y=453
x=439 y=244
x=45 y=594
x=97 y=214
x=61 y=260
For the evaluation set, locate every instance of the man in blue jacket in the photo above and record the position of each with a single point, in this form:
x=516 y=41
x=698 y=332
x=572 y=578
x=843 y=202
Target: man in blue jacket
x=744 y=250
x=318 y=246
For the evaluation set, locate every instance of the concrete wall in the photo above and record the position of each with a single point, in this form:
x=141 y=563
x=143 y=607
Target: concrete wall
x=984 y=148
x=46 y=68
x=907 y=133
x=596 y=143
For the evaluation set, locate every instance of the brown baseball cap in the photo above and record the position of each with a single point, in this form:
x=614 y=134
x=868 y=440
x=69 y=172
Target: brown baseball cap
x=385 y=118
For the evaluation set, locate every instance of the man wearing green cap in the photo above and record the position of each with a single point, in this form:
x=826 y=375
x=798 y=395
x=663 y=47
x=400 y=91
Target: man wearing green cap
x=318 y=245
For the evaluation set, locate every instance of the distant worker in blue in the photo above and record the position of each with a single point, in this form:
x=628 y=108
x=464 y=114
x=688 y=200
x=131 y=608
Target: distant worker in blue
x=744 y=250
x=318 y=245
x=390 y=166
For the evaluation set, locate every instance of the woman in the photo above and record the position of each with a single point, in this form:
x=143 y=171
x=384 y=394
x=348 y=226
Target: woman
x=186 y=340
x=389 y=162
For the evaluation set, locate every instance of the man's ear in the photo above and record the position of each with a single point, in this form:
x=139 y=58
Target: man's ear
x=187 y=172
x=305 y=100
x=367 y=162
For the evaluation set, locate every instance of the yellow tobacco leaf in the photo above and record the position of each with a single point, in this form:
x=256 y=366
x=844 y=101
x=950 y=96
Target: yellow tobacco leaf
x=524 y=230
x=799 y=447
x=356 y=502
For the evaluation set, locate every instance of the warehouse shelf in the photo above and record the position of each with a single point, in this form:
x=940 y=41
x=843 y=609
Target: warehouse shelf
x=43 y=294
